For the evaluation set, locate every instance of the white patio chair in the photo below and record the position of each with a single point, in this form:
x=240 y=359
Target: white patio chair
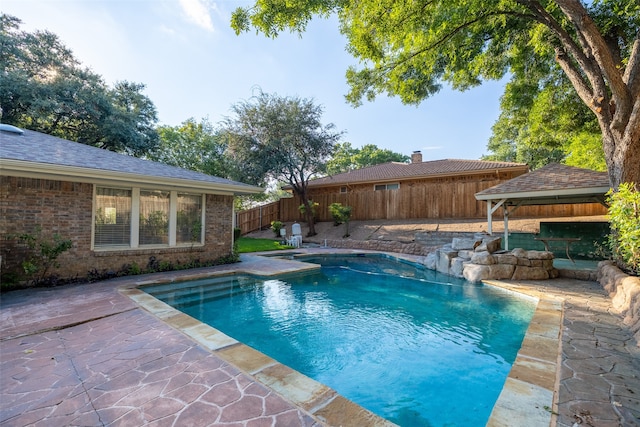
x=296 y=236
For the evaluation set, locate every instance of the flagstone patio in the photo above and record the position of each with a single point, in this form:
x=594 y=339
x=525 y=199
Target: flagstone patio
x=90 y=355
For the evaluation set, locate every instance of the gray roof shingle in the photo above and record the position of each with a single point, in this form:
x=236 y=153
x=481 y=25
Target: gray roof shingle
x=552 y=177
x=45 y=149
x=404 y=171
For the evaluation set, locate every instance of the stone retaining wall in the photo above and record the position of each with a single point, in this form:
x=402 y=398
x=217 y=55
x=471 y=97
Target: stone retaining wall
x=624 y=291
x=382 y=245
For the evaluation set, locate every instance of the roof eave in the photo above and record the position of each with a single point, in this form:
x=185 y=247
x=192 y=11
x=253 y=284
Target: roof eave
x=541 y=194
x=525 y=168
x=12 y=167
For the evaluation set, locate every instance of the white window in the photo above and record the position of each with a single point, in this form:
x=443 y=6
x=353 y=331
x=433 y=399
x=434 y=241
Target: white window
x=189 y=218
x=343 y=189
x=154 y=218
x=137 y=217
x=380 y=187
x=113 y=217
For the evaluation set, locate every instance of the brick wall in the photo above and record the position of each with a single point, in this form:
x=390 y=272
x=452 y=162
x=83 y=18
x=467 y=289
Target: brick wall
x=65 y=208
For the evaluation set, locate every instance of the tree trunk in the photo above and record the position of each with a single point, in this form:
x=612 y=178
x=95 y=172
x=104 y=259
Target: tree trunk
x=308 y=213
x=622 y=149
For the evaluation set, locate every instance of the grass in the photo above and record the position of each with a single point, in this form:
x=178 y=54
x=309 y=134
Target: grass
x=249 y=244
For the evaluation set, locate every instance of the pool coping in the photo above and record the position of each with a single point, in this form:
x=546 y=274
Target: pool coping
x=527 y=397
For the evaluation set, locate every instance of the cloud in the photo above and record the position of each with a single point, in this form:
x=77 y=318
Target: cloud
x=198 y=12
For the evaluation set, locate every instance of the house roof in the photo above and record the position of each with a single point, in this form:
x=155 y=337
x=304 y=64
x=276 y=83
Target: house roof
x=35 y=154
x=403 y=171
x=553 y=183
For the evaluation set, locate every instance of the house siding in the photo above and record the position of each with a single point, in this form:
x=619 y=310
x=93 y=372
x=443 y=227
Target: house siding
x=65 y=208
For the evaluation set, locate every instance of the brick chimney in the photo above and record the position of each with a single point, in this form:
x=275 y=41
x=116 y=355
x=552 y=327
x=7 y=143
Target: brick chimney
x=416 y=157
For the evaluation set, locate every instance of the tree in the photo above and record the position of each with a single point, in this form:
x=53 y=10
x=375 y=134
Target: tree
x=408 y=49
x=346 y=158
x=539 y=126
x=543 y=120
x=280 y=138
x=43 y=88
x=193 y=145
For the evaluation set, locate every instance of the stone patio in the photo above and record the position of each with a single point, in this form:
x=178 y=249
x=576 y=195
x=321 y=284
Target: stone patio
x=91 y=355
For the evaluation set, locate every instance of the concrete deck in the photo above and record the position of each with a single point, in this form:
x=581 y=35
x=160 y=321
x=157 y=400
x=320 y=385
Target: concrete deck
x=108 y=354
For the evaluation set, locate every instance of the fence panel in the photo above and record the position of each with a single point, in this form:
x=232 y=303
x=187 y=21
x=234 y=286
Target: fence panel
x=425 y=200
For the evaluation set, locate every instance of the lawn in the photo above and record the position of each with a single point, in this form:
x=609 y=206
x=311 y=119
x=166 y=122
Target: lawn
x=248 y=244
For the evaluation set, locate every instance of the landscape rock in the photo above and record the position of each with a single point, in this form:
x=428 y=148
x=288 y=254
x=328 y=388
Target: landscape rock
x=505 y=259
x=489 y=244
x=476 y=273
x=530 y=273
x=466 y=254
x=519 y=253
x=464 y=243
x=624 y=291
x=431 y=260
x=457 y=266
x=483 y=258
x=501 y=271
x=539 y=255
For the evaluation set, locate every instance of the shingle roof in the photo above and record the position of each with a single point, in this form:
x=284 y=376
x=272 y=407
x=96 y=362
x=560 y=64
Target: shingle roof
x=404 y=171
x=43 y=149
x=550 y=178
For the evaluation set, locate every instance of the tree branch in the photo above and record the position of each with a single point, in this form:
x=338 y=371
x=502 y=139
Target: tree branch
x=453 y=32
x=632 y=72
x=587 y=29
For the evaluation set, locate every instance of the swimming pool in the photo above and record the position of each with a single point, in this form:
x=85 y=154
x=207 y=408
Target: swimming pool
x=413 y=346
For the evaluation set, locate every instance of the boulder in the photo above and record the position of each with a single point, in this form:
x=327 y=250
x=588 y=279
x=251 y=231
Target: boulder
x=539 y=255
x=465 y=254
x=444 y=260
x=476 y=273
x=459 y=243
x=483 y=258
x=431 y=260
x=519 y=253
x=457 y=266
x=505 y=259
x=489 y=244
x=501 y=271
x=530 y=273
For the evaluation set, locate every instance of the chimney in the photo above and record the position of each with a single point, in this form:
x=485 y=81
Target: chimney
x=416 y=157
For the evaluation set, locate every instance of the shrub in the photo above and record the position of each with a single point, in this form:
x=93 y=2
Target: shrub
x=276 y=226
x=42 y=255
x=314 y=209
x=624 y=217
x=341 y=215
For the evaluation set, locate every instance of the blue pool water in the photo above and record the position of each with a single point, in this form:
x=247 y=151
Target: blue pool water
x=413 y=346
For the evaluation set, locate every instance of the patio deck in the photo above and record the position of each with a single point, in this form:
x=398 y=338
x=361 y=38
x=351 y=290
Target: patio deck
x=90 y=355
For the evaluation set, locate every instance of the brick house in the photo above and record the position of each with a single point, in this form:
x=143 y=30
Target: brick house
x=116 y=209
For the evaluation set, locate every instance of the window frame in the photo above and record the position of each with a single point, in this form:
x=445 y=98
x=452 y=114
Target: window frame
x=134 y=232
x=393 y=185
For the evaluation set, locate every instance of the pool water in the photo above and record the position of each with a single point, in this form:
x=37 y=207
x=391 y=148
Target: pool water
x=413 y=346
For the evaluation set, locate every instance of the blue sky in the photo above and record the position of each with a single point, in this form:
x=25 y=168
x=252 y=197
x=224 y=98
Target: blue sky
x=194 y=65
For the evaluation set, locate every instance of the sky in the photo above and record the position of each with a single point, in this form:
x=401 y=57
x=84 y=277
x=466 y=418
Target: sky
x=195 y=66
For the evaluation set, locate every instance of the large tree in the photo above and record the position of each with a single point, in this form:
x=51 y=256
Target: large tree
x=543 y=120
x=282 y=139
x=44 y=88
x=346 y=158
x=193 y=145
x=409 y=48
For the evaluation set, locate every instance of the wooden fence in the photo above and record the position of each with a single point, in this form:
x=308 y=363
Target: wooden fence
x=430 y=201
